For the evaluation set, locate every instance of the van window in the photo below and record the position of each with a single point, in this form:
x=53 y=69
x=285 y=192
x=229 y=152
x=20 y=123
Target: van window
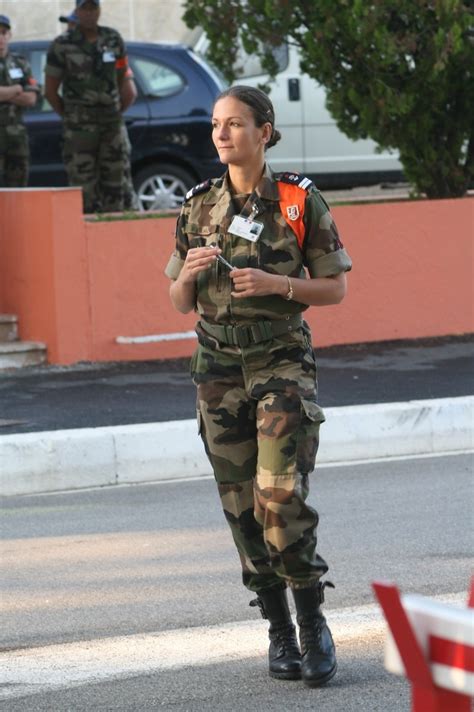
x=155 y=79
x=249 y=65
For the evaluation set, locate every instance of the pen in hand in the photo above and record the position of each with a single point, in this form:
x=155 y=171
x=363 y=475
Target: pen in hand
x=222 y=260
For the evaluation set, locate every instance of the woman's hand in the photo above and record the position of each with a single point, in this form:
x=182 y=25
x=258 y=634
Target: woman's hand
x=198 y=259
x=250 y=282
x=318 y=291
x=183 y=289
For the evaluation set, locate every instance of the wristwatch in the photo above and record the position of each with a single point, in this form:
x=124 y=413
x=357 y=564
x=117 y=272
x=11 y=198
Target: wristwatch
x=289 y=294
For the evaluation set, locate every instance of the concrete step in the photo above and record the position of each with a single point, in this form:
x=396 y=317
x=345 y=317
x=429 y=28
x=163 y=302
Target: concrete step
x=18 y=354
x=8 y=327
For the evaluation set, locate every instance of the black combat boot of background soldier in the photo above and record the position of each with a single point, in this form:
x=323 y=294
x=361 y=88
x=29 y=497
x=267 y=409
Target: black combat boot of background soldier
x=318 y=662
x=283 y=654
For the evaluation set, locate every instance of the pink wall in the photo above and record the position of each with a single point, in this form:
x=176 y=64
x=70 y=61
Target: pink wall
x=78 y=285
x=44 y=269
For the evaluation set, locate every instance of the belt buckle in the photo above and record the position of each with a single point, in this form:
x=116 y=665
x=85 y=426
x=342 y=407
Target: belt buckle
x=260 y=331
x=266 y=331
x=242 y=336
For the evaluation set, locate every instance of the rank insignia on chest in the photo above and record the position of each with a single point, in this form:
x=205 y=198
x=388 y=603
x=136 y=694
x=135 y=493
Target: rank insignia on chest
x=293 y=212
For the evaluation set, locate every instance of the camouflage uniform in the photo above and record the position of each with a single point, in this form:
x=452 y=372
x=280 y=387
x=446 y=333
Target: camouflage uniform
x=14 y=148
x=256 y=397
x=96 y=148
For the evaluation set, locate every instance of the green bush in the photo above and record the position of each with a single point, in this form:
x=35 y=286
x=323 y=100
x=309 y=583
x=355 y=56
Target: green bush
x=397 y=71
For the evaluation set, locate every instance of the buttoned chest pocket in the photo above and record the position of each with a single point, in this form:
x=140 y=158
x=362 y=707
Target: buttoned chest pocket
x=203 y=235
x=79 y=64
x=107 y=60
x=213 y=280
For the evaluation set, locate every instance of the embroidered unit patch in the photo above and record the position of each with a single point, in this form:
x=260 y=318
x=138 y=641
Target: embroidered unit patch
x=293 y=212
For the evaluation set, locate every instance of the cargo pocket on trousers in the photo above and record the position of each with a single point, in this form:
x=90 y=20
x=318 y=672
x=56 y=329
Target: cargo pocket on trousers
x=308 y=436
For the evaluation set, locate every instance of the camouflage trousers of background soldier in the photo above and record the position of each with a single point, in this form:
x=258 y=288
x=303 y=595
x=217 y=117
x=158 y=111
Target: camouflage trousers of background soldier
x=259 y=420
x=97 y=157
x=14 y=156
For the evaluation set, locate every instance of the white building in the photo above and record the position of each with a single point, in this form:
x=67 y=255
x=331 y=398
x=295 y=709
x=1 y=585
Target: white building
x=143 y=20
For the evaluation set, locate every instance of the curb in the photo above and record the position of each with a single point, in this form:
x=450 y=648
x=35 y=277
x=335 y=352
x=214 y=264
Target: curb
x=126 y=454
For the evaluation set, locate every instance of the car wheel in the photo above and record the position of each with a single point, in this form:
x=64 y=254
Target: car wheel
x=162 y=186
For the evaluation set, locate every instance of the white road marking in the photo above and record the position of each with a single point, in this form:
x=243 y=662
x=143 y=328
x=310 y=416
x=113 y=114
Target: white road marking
x=154 y=338
x=42 y=669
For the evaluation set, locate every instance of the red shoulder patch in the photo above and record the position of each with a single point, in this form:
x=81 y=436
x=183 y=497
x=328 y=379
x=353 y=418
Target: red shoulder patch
x=292 y=202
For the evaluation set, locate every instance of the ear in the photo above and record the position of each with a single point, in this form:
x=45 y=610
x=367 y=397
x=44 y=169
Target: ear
x=267 y=132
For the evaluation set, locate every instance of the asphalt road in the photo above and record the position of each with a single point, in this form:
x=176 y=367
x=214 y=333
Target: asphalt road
x=92 y=395
x=148 y=576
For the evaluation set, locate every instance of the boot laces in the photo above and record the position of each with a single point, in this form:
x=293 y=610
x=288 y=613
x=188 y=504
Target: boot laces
x=283 y=635
x=310 y=632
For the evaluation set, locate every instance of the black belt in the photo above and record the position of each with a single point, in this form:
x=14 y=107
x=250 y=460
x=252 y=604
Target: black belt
x=245 y=334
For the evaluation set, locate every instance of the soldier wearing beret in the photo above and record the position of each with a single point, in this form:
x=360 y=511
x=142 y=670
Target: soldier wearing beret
x=254 y=249
x=90 y=63
x=18 y=91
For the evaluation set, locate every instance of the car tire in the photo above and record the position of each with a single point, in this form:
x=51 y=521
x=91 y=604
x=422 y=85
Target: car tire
x=162 y=186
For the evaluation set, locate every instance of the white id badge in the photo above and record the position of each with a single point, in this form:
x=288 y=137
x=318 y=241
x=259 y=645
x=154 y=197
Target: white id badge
x=16 y=73
x=108 y=56
x=243 y=227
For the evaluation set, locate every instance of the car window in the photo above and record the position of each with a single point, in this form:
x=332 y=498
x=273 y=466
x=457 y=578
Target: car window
x=249 y=65
x=38 y=63
x=156 y=79
x=37 y=60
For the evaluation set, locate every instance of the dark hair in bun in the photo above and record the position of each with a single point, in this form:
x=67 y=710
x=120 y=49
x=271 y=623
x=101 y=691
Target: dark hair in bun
x=260 y=106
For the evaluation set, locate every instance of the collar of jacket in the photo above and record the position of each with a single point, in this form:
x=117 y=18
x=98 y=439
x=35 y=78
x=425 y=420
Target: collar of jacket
x=78 y=36
x=10 y=59
x=266 y=189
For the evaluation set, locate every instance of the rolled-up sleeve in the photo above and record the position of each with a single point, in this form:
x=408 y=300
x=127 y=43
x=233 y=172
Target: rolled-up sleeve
x=55 y=62
x=178 y=257
x=174 y=266
x=323 y=252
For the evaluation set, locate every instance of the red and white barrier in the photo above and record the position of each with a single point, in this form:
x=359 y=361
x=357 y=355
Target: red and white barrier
x=432 y=644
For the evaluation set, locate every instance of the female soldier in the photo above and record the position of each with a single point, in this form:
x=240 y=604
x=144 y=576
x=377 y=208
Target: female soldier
x=243 y=243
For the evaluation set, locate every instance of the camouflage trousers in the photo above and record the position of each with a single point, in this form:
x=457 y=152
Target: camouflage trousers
x=259 y=422
x=97 y=158
x=14 y=156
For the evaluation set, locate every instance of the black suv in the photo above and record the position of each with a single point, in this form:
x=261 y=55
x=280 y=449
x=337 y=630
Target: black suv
x=169 y=125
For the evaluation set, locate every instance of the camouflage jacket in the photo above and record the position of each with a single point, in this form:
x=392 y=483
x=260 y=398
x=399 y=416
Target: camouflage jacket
x=89 y=72
x=14 y=69
x=205 y=218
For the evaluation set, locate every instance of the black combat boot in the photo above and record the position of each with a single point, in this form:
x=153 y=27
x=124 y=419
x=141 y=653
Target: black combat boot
x=318 y=662
x=284 y=654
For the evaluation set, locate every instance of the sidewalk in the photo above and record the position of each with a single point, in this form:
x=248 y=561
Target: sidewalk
x=128 y=422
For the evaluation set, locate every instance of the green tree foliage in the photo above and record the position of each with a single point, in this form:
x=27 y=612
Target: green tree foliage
x=397 y=71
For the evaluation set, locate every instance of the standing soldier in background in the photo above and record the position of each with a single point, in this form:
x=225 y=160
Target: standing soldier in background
x=18 y=91
x=90 y=62
x=130 y=199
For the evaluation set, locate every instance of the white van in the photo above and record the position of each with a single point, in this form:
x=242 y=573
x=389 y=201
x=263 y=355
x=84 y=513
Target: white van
x=311 y=142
